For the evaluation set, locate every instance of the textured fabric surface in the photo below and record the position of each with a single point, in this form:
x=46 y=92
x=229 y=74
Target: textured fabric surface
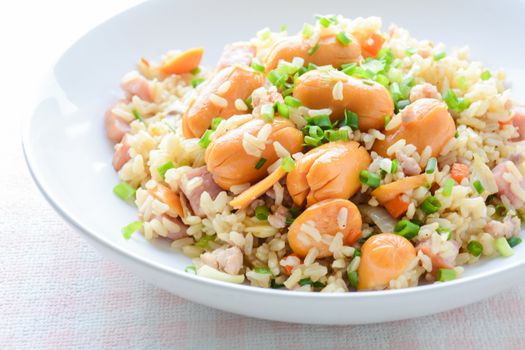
x=57 y=292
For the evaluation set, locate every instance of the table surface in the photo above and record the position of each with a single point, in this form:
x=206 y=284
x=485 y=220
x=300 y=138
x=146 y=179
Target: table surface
x=56 y=291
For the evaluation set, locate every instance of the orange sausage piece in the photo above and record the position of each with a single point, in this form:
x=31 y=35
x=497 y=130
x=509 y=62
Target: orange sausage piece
x=328 y=171
x=425 y=122
x=370 y=100
x=185 y=62
x=241 y=80
x=325 y=216
x=167 y=196
x=388 y=192
x=329 y=52
x=384 y=257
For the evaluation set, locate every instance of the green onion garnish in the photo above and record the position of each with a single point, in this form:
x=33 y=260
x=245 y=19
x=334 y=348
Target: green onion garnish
x=195 y=71
x=203 y=241
x=503 y=247
x=369 y=179
x=196 y=82
x=478 y=186
x=462 y=83
x=514 y=241
x=277 y=78
x=401 y=104
x=215 y=123
x=276 y=285
x=410 y=51
x=454 y=103
x=260 y=163
x=386 y=120
x=191 y=269
x=394 y=166
x=283 y=109
x=262 y=212
x=325 y=22
x=267 y=112
x=382 y=79
x=333 y=135
x=294 y=212
x=321 y=120
x=127 y=231
x=263 y=270
x=447 y=187
x=406 y=229
x=501 y=210
x=357 y=252
x=283 y=27
x=137 y=115
x=306 y=281
x=444 y=275
x=292 y=102
x=312 y=50
x=351 y=120
x=431 y=165
x=288 y=164
x=430 y=205
x=343 y=38
x=308 y=30
x=124 y=191
x=475 y=248
x=353 y=278
x=444 y=231
x=257 y=67
x=486 y=75
x=439 y=56
x=205 y=138
x=164 y=168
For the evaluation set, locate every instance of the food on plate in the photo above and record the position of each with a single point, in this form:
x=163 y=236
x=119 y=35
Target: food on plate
x=340 y=158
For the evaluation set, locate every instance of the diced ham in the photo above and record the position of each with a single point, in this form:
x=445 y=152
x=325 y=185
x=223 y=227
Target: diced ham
x=241 y=53
x=508 y=169
x=227 y=260
x=135 y=84
x=442 y=257
x=121 y=155
x=518 y=120
x=182 y=228
x=116 y=126
x=194 y=183
x=511 y=226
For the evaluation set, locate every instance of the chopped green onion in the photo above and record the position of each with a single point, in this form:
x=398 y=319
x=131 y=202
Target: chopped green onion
x=130 y=229
x=430 y=205
x=276 y=285
x=475 y=248
x=312 y=141
x=322 y=120
x=382 y=79
x=343 y=38
x=313 y=49
x=353 y=278
x=486 y=75
x=514 y=241
x=262 y=212
x=294 y=212
x=357 y=252
x=282 y=109
x=191 y=269
x=267 y=112
x=196 y=82
x=308 y=30
x=501 y=210
x=164 y=168
x=406 y=229
x=351 y=120
x=401 y=104
x=263 y=270
x=292 y=102
x=439 y=56
x=248 y=102
x=454 y=103
x=205 y=138
x=195 y=71
x=260 y=163
x=447 y=187
x=215 y=123
x=306 y=281
x=386 y=120
x=462 y=83
x=333 y=135
x=325 y=22
x=444 y=231
x=257 y=67
x=124 y=191
x=369 y=179
x=503 y=247
x=289 y=221
x=277 y=78
x=444 y=275
x=431 y=165
x=137 y=115
x=456 y=134
x=288 y=164
x=410 y=51
x=478 y=186
x=203 y=241
x=394 y=166
x=283 y=27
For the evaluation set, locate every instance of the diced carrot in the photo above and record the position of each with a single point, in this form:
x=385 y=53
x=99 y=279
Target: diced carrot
x=371 y=45
x=183 y=63
x=257 y=190
x=459 y=171
x=144 y=61
x=288 y=268
x=396 y=207
x=166 y=195
x=387 y=192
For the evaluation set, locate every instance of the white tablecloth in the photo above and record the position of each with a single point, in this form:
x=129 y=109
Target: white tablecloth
x=56 y=291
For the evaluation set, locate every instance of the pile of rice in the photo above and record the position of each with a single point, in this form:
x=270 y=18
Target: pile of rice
x=263 y=246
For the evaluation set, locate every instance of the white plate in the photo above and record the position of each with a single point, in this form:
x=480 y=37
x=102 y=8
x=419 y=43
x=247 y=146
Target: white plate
x=70 y=157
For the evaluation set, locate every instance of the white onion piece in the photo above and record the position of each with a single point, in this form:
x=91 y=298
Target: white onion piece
x=482 y=172
x=380 y=217
x=210 y=272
